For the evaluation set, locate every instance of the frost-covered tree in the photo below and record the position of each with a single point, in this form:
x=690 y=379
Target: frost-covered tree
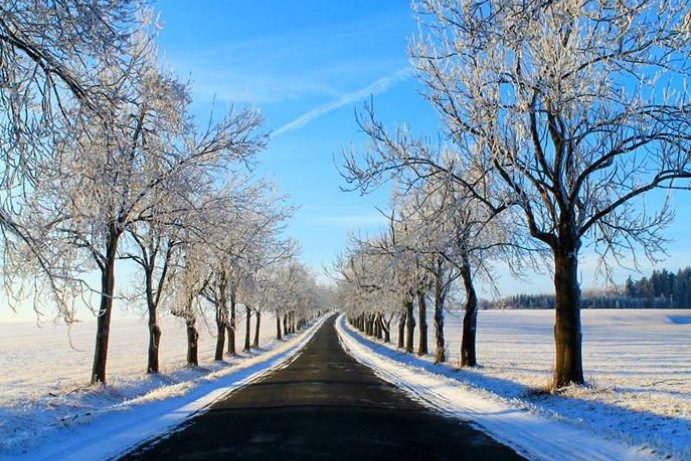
x=154 y=249
x=260 y=293
x=113 y=171
x=576 y=109
x=245 y=238
x=291 y=296
x=51 y=53
x=570 y=112
x=386 y=266
x=365 y=292
x=258 y=264
x=428 y=234
x=191 y=278
x=181 y=218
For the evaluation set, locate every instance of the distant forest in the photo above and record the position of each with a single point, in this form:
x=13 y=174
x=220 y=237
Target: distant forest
x=662 y=289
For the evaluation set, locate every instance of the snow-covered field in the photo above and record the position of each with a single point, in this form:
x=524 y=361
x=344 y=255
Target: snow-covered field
x=44 y=392
x=637 y=363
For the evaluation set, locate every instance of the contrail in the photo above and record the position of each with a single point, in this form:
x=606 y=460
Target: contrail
x=377 y=87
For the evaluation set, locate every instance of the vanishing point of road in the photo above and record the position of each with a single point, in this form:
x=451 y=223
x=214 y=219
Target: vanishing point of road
x=323 y=406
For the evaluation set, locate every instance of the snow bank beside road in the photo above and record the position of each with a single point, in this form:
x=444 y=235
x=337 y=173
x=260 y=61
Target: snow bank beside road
x=115 y=428
x=534 y=436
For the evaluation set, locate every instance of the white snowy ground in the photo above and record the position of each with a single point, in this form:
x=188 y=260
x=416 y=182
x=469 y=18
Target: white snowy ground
x=47 y=412
x=637 y=404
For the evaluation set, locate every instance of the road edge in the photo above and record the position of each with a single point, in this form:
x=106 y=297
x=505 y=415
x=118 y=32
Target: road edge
x=115 y=434
x=532 y=436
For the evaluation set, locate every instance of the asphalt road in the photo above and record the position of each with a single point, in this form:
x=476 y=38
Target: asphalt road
x=323 y=406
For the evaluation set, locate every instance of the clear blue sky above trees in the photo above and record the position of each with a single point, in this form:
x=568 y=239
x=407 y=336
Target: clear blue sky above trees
x=308 y=65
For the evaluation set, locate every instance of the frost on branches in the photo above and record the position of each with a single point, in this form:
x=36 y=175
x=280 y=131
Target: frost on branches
x=570 y=110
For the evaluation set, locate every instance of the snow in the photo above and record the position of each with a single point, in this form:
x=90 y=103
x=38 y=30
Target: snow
x=47 y=411
x=636 y=405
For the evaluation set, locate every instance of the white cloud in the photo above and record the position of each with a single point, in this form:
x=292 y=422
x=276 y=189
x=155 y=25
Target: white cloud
x=377 y=87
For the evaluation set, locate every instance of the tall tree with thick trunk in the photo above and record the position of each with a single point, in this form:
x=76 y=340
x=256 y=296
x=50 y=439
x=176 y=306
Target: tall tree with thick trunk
x=468 y=354
x=54 y=56
x=541 y=95
x=546 y=103
x=401 y=329
x=191 y=279
x=220 y=301
x=232 y=324
x=107 y=266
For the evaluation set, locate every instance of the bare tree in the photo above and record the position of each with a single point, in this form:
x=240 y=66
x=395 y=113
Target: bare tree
x=52 y=57
x=245 y=238
x=156 y=247
x=114 y=169
x=189 y=281
x=50 y=52
x=574 y=109
x=180 y=214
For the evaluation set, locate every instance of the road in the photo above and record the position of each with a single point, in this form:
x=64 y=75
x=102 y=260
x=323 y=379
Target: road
x=323 y=406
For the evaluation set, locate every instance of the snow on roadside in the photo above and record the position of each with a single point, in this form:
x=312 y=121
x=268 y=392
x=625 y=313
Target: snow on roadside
x=106 y=421
x=510 y=421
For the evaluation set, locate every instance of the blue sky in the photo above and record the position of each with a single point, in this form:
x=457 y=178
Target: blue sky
x=307 y=65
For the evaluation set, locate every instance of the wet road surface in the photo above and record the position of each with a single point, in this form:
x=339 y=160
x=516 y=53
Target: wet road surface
x=323 y=406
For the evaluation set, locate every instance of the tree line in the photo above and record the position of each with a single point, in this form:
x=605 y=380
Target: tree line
x=104 y=163
x=662 y=289
x=557 y=120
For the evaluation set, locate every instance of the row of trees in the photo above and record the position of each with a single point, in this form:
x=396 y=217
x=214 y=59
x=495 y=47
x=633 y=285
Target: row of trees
x=673 y=289
x=663 y=289
x=603 y=300
x=558 y=118
x=435 y=243
x=104 y=162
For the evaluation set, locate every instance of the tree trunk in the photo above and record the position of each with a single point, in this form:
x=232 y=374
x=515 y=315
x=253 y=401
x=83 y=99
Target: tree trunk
x=440 y=346
x=248 y=327
x=386 y=328
x=410 y=326
x=278 y=325
x=401 y=330
x=192 y=342
x=468 y=351
x=221 y=316
x=568 y=366
x=378 y=325
x=98 y=371
x=257 y=323
x=220 y=338
x=231 y=325
x=285 y=324
x=422 y=316
x=154 y=342
x=152 y=365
